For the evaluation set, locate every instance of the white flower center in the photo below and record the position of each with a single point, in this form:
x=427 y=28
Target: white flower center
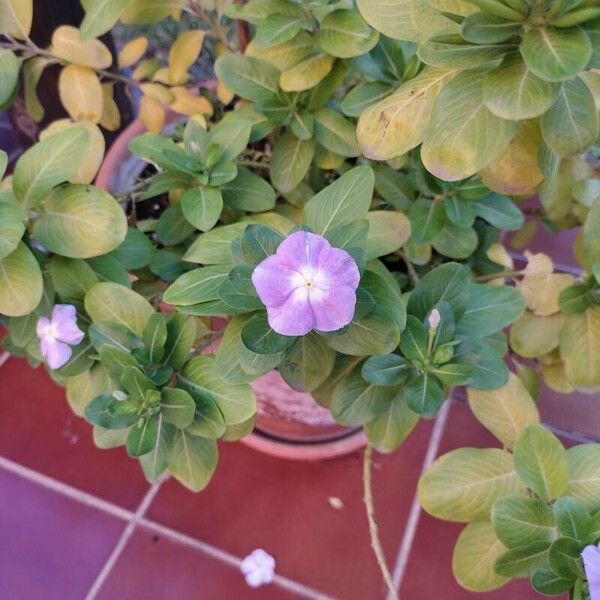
x=49 y=331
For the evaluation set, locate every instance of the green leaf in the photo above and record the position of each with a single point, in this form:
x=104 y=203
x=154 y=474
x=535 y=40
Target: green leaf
x=248 y=192
x=427 y=220
x=500 y=211
x=480 y=28
x=101 y=15
x=142 y=437
x=447 y=282
x=556 y=54
x=520 y=521
x=392 y=426
x=335 y=133
x=364 y=95
x=413 y=340
x=157 y=460
x=238 y=291
x=83 y=388
x=474 y=556
x=136 y=250
x=213 y=247
x=21 y=283
x=575 y=299
x=177 y=407
x=570 y=126
x=572 y=518
x=505 y=411
x=456 y=54
x=9 y=75
x=513 y=92
x=464 y=484
x=200 y=377
x=541 y=462
x=355 y=402
x=279 y=28
x=173 y=228
x=388 y=231
x=308 y=364
x=290 y=161
x=258 y=336
x=111 y=303
x=343 y=201
x=16 y=17
x=193 y=460
x=48 y=163
x=584 y=475
x=231 y=135
x=202 y=207
x=181 y=335
x=259 y=242
x=155 y=336
x=453 y=373
x=12 y=227
x=344 y=33
x=248 y=77
x=549 y=583
x=208 y=420
x=564 y=558
x=424 y=395
x=463 y=136
x=520 y=562
x=455 y=242
x=459 y=212
x=107 y=412
x=80 y=221
x=135 y=382
x=115 y=360
x=199 y=285
x=387 y=370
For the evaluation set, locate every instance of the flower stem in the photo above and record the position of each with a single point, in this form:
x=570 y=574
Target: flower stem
x=410 y=269
x=499 y=274
x=373 y=529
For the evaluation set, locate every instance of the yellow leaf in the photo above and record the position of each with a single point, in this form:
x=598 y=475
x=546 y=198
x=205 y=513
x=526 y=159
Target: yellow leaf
x=158 y=92
x=81 y=93
x=516 y=170
x=132 y=51
x=533 y=336
x=283 y=56
x=540 y=286
x=176 y=13
x=152 y=114
x=397 y=124
x=187 y=103
x=162 y=76
x=224 y=94
x=68 y=45
x=522 y=237
x=15 y=18
x=325 y=159
x=497 y=253
x=183 y=54
x=556 y=378
x=580 y=347
x=95 y=150
x=146 y=69
x=111 y=118
x=306 y=74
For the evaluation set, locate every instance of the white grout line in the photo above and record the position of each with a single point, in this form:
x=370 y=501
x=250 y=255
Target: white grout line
x=122 y=542
x=65 y=489
x=226 y=557
x=415 y=509
x=4 y=356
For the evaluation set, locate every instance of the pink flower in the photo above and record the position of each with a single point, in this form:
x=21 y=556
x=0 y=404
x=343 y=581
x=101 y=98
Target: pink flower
x=591 y=563
x=57 y=334
x=258 y=568
x=307 y=284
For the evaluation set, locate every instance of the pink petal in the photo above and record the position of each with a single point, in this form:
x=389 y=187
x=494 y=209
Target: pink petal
x=301 y=249
x=340 y=267
x=333 y=309
x=295 y=316
x=54 y=352
x=591 y=563
x=273 y=282
x=64 y=320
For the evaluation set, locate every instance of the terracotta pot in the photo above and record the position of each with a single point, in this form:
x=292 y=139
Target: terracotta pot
x=289 y=424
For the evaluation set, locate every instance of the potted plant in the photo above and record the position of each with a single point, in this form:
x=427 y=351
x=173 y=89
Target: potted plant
x=327 y=231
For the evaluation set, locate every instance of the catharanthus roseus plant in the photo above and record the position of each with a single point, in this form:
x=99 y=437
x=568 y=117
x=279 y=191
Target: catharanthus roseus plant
x=350 y=205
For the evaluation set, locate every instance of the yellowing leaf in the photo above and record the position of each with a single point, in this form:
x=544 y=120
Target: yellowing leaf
x=306 y=74
x=81 y=93
x=286 y=55
x=497 y=253
x=183 y=54
x=556 y=378
x=162 y=76
x=533 y=336
x=505 y=411
x=540 y=286
x=32 y=71
x=187 y=103
x=111 y=118
x=516 y=171
x=397 y=124
x=68 y=45
x=580 y=347
x=152 y=114
x=15 y=18
x=158 y=92
x=132 y=51
x=93 y=155
x=224 y=94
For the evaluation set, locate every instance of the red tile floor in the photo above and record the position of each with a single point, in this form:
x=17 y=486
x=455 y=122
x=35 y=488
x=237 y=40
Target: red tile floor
x=81 y=523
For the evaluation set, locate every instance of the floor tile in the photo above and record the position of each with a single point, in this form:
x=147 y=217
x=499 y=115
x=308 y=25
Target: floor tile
x=429 y=570
x=285 y=507
x=38 y=430
x=51 y=547
x=156 y=568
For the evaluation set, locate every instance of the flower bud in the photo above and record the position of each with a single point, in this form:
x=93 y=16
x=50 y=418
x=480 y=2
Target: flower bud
x=434 y=319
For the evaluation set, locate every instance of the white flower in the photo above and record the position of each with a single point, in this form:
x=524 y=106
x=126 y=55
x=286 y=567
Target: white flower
x=57 y=334
x=591 y=563
x=258 y=568
x=434 y=318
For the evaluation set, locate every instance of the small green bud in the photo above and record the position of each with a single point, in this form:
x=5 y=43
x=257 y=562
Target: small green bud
x=443 y=354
